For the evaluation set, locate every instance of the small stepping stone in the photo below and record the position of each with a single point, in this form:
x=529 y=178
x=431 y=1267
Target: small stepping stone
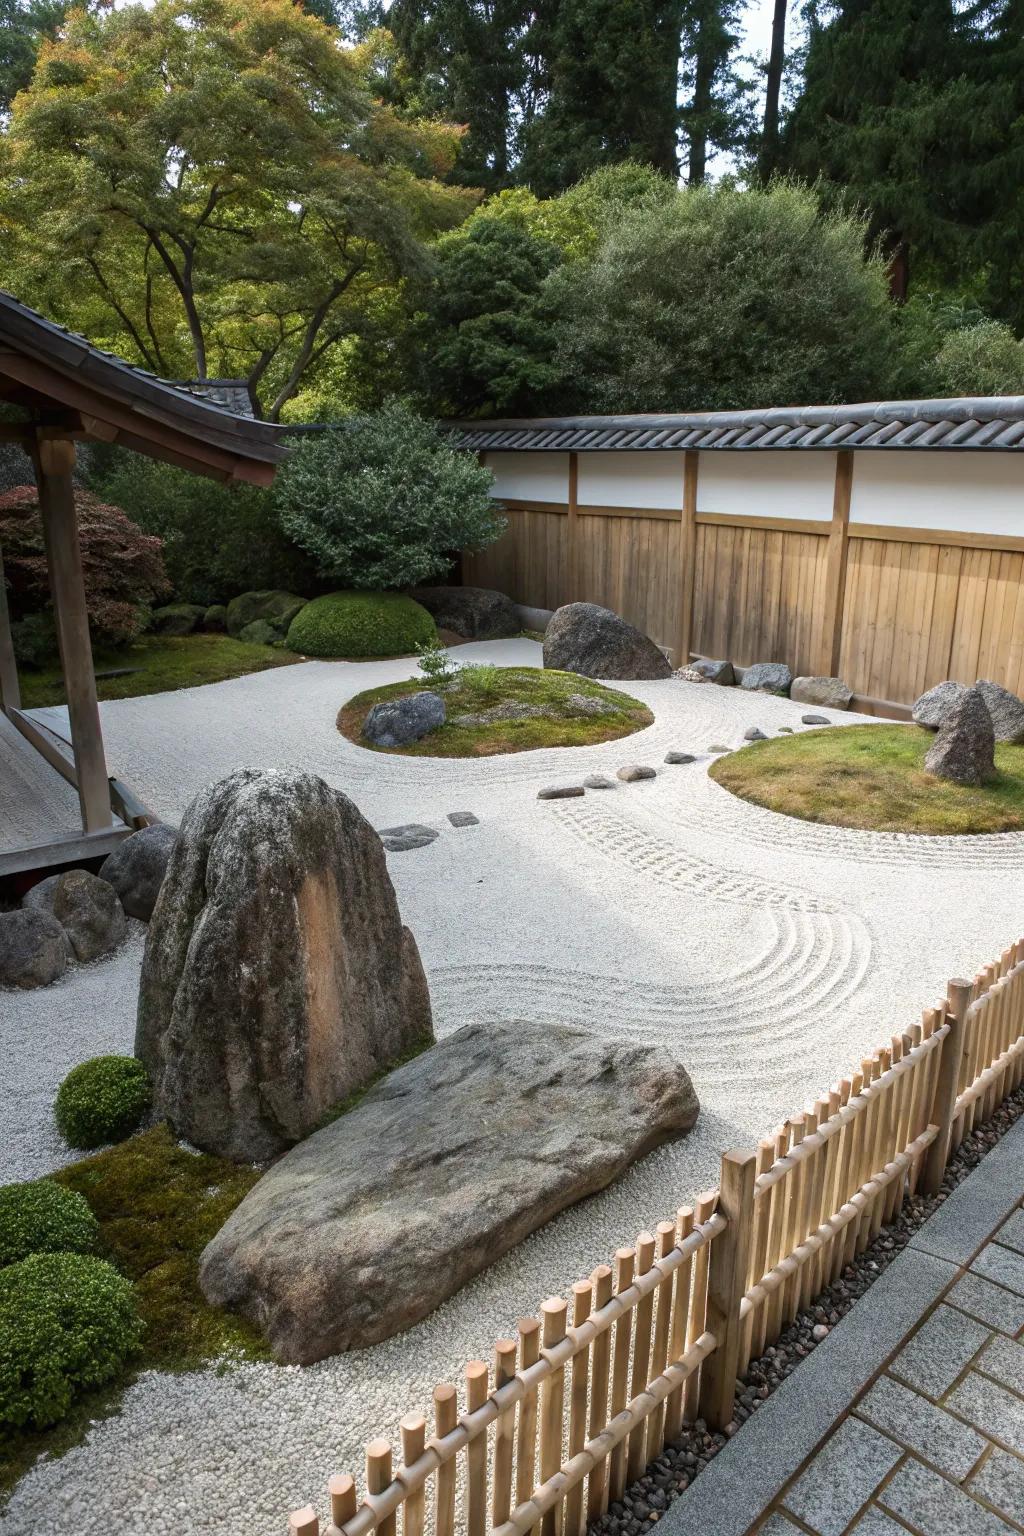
x=401 y=839
x=634 y=771
x=719 y=748
x=754 y=733
x=561 y=792
x=680 y=757
x=814 y=720
x=463 y=819
x=598 y=781
x=785 y=730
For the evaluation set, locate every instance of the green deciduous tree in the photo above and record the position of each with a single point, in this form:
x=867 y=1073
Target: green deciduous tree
x=983 y=359
x=23 y=25
x=210 y=186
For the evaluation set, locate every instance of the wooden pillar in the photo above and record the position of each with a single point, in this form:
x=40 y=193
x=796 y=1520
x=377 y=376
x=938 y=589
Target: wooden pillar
x=10 y=692
x=54 y=462
x=835 y=573
x=727 y=1283
x=572 y=532
x=687 y=554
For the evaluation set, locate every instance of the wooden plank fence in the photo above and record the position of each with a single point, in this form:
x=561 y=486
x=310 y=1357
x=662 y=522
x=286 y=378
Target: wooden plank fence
x=576 y=1406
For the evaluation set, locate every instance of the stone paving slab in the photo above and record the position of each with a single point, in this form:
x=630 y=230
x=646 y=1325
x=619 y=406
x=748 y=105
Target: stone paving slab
x=990 y=1408
x=874 y=1522
x=1000 y=1482
x=1004 y=1360
x=939 y=1351
x=968 y=1218
x=988 y=1302
x=1011 y=1234
x=954 y=1448
x=934 y=1507
x=842 y=1477
x=1001 y=1265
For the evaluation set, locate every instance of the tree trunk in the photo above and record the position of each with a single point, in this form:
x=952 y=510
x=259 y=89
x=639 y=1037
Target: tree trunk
x=704 y=68
x=898 y=272
x=768 y=158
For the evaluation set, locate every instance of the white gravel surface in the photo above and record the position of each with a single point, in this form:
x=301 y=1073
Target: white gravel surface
x=771 y=953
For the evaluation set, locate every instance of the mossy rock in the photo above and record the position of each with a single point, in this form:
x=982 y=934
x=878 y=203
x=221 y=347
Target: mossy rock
x=177 y=618
x=259 y=632
x=275 y=608
x=215 y=619
x=361 y=624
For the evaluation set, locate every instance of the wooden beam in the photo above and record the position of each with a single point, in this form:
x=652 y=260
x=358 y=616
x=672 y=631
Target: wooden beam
x=687 y=554
x=575 y=595
x=10 y=691
x=47 y=744
x=812 y=525
x=54 y=462
x=835 y=568
x=951 y=537
x=62 y=850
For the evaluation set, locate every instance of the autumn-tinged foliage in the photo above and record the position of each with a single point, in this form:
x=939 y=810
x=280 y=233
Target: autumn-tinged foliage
x=123 y=567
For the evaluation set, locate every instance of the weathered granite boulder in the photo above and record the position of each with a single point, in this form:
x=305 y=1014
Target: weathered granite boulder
x=452 y=1160
x=593 y=641
x=714 y=671
x=964 y=749
x=476 y=613
x=1006 y=710
x=87 y=908
x=176 y=618
x=276 y=607
x=831 y=692
x=933 y=707
x=396 y=722
x=767 y=677
x=277 y=977
x=34 y=949
x=136 y=868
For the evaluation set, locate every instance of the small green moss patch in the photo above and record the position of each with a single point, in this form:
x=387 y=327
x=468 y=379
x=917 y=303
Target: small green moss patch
x=873 y=777
x=159 y=664
x=478 y=689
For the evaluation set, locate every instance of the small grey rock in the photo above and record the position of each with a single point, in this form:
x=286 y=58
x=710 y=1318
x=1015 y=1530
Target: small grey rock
x=717 y=747
x=87 y=908
x=396 y=722
x=963 y=751
x=1006 y=709
x=463 y=819
x=754 y=733
x=136 y=868
x=561 y=792
x=689 y=675
x=598 y=781
x=785 y=730
x=767 y=677
x=680 y=757
x=814 y=720
x=402 y=839
x=34 y=949
x=633 y=772
x=715 y=671
x=932 y=707
x=830 y=691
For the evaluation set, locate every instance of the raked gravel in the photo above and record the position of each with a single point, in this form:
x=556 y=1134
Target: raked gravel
x=772 y=954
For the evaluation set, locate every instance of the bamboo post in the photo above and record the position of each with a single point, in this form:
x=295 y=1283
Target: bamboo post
x=504 y=1435
x=342 y=1490
x=727 y=1278
x=601 y=1353
x=635 y=1458
x=526 y=1445
x=665 y=1237
x=303 y=1522
x=575 y=1514
x=414 y=1438
x=944 y=1103
x=707 y=1204
x=552 y=1407
x=446 y=1416
x=476 y=1453
x=625 y=1259
x=680 y=1321
x=378 y=1476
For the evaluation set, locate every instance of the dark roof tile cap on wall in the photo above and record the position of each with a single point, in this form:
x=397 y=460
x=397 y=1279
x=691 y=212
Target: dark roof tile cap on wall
x=993 y=423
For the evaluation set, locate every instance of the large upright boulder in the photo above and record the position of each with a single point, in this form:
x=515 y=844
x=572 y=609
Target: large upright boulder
x=452 y=1160
x=277 y=978
x=1006 y=709
x=964 y=749
x=475 y=613
x=595 y=642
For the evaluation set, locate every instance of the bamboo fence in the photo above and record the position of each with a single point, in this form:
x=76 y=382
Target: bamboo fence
x=574 y=1408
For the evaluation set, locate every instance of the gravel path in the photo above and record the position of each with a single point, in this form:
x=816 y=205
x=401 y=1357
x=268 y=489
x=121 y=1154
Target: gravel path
x=771 y=953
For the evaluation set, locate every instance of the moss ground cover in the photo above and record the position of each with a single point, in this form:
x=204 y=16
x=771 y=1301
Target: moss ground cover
x=479 y=689
x=872 y=776
x=159 y=664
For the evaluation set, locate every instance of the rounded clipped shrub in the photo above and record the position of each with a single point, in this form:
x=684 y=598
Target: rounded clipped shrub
x=361 y=624
x=43 y=1217
x=102 y=1100
x=68 y=1323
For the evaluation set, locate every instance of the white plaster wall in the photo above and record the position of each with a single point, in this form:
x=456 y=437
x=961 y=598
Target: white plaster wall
x=752 y=484
x=530 y=476
x=630 y=479
x=966 y=492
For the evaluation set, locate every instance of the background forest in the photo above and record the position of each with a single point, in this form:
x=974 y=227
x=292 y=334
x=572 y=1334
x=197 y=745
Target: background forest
x=498 y=207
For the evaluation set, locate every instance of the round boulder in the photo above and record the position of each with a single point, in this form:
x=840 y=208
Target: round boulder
x=136 y=868
x=396 y=722
x=87 y=908
x=34 y=949
x=595 y=642
x=475 y=613
x=932 y=707
x=177 y=618
x=275 y=607
x=215 y=619
x=767 y=677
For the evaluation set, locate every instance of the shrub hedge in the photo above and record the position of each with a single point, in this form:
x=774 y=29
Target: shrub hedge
x=102 y=1100
x=361 y=624
x=41 y=1217
x=68 y=1323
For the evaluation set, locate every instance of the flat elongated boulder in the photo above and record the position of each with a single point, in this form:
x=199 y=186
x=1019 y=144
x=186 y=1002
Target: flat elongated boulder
x=595 y=642
x=277 y=978
x=1006 y=710
x=964 y=749
x=452 y=1160
x=475 y=613
x=830 y=691
x=86 y=907
x=932 y=707
x=767 y=677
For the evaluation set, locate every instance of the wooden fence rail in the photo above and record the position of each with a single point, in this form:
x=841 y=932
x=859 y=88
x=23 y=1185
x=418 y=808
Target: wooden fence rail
x=575 y=1408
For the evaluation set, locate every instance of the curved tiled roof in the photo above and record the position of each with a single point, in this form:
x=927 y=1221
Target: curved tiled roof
x=985 y=422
